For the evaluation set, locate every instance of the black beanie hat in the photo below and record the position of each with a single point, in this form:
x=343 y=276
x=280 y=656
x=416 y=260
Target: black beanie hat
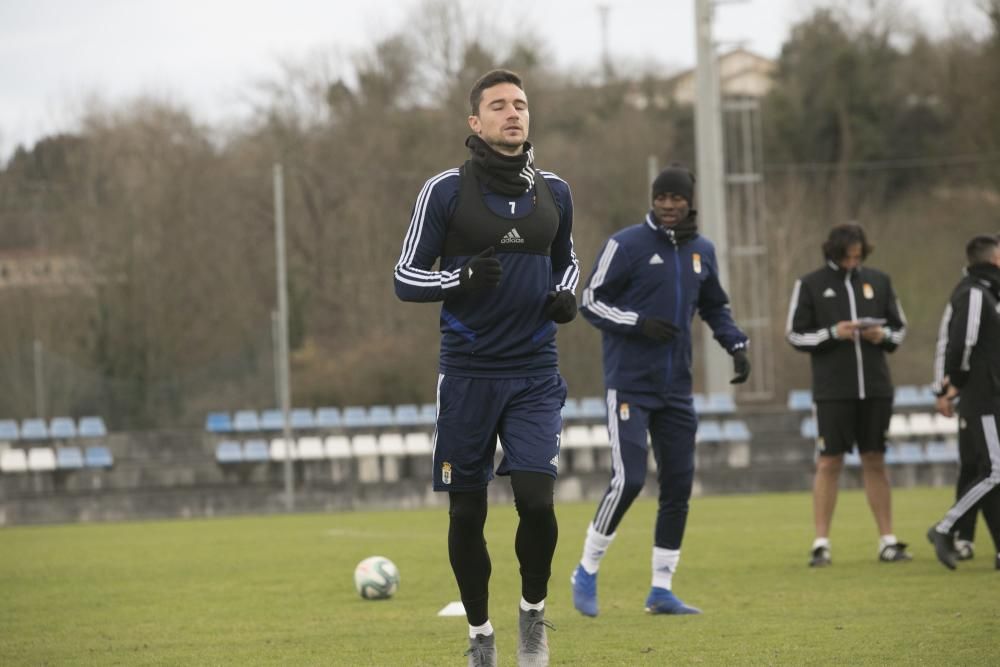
x=676 y=179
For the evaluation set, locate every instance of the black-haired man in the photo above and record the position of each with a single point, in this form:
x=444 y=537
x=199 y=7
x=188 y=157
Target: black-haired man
x=847 y=317
x=969 y=361
x=507 y=275
x=646 y=285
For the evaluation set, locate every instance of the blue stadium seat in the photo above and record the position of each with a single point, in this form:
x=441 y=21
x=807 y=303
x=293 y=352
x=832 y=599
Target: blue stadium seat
x=700 y=402
x=9 y=430
x=593 y=407
x=907 y=396
x=736 y=430
x=328 y=418
x=380 y=415
x=909 y=452
x=303 y=418
x=246 y=420
x=228 y=451
x=407 y=414
x=98 y=456
x=62 y=427
x=34 y=429
x=709 y=431
x=354 y=416
x=271 y=420
x=800 y=399
x=808 y=428
x=69 y=458
x=720 y=403
x=256 y=450
x=218 y=422
x=940 y=451
x=428 y=413
x=571 y=409
x=92 y=427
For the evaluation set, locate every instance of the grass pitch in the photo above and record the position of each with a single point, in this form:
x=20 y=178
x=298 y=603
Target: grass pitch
x=278 y=590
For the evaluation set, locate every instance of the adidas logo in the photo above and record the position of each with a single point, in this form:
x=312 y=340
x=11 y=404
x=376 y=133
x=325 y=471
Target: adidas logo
x=512 y=237
x=656 y=259
x=555 y=461
x=829 y=293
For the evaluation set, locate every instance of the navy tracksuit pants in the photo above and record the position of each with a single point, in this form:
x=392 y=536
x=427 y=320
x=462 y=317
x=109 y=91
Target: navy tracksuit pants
x=671 y=424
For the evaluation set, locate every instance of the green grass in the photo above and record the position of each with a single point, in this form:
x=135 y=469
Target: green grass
x=278 y=591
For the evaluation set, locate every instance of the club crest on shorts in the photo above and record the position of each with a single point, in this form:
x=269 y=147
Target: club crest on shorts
x=696 y=262
x=623 y=412
x=867 y=290
x=446 y=473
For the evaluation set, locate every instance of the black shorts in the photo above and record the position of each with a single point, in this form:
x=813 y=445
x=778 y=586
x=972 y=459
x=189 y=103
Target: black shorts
x=844 y=424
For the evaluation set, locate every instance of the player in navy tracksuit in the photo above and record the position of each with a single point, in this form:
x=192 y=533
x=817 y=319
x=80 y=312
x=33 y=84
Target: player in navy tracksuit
x=507 y=275
x=646 y=286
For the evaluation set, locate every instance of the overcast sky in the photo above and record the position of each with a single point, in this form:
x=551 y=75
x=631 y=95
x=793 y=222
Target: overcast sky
x=205 y=53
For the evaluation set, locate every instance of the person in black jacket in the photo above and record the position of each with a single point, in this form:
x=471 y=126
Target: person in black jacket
x=971 y=372
x=846 y=316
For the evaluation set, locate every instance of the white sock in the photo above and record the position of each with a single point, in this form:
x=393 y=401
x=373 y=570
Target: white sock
x=594 y=548
x=484 y=629
x=821 y=542
x=664 y=565
x=886 y=540
x=528 y=606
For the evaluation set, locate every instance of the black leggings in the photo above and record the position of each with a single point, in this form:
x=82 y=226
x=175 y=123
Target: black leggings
x=534 y=544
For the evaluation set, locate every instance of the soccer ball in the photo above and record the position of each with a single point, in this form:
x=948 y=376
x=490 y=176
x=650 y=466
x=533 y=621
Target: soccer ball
x=376 y=578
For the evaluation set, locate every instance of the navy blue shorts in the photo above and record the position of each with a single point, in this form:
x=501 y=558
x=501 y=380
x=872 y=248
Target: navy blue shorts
x=472 y=412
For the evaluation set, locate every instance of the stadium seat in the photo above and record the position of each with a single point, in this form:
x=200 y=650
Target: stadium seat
x=218 y=422
x=62 y=427
x=365 y=449
x=41 y=459
x=940 y=451
x=271 y=420
x=34 y=429
x=69 y=458
x=337 y=447
x=922 y=425
x=392 y=449
x=577 y=437
x=13 y=460
x=428 y=414
x=91 y=427
x=852 y=459
x=280 y=449
x=245 y=421
x=735 y=430
x=417 y=444
x=709 y=431
x=945 y=425
x=800 y=399
x=906 y=396
x=571 y=409
x=354 y=416
x=256 y=450
x=899 y=427
x=593 y=407
x=700 y=402
x=380 y=416
x=909 y=452
x=98 y=456
x=808 y=428
x=599 y=436
x=228 y=451
x=302 y=418
x=9 y=430
x=328 y=418
x=310 y=449
x=720 y=403
x=407 y=414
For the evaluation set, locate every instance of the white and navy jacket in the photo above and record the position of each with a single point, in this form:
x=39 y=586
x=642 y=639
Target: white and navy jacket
x=845 y=369
x=641 y=273
x=500 y=332
x=968 y=346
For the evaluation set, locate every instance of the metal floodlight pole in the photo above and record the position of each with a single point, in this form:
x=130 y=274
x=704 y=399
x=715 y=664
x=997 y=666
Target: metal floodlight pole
x=711 y=200
x=282 y=370
x=39 y=364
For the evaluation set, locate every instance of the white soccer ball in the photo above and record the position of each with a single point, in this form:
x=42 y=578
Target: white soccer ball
x=376 y=578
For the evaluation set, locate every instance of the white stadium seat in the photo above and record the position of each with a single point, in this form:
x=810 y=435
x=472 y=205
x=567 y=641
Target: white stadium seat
x=41 y=459
x=280 y=450
x=338 y=447
x=310 y=449
x=418 y=444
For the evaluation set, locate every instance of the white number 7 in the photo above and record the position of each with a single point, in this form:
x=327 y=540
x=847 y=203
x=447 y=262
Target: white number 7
x=511 y=206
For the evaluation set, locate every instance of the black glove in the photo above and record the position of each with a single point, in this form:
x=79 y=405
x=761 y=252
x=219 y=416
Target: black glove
x=741 y=366
x=560 y=307
x=658 y=329
x=481 y=272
